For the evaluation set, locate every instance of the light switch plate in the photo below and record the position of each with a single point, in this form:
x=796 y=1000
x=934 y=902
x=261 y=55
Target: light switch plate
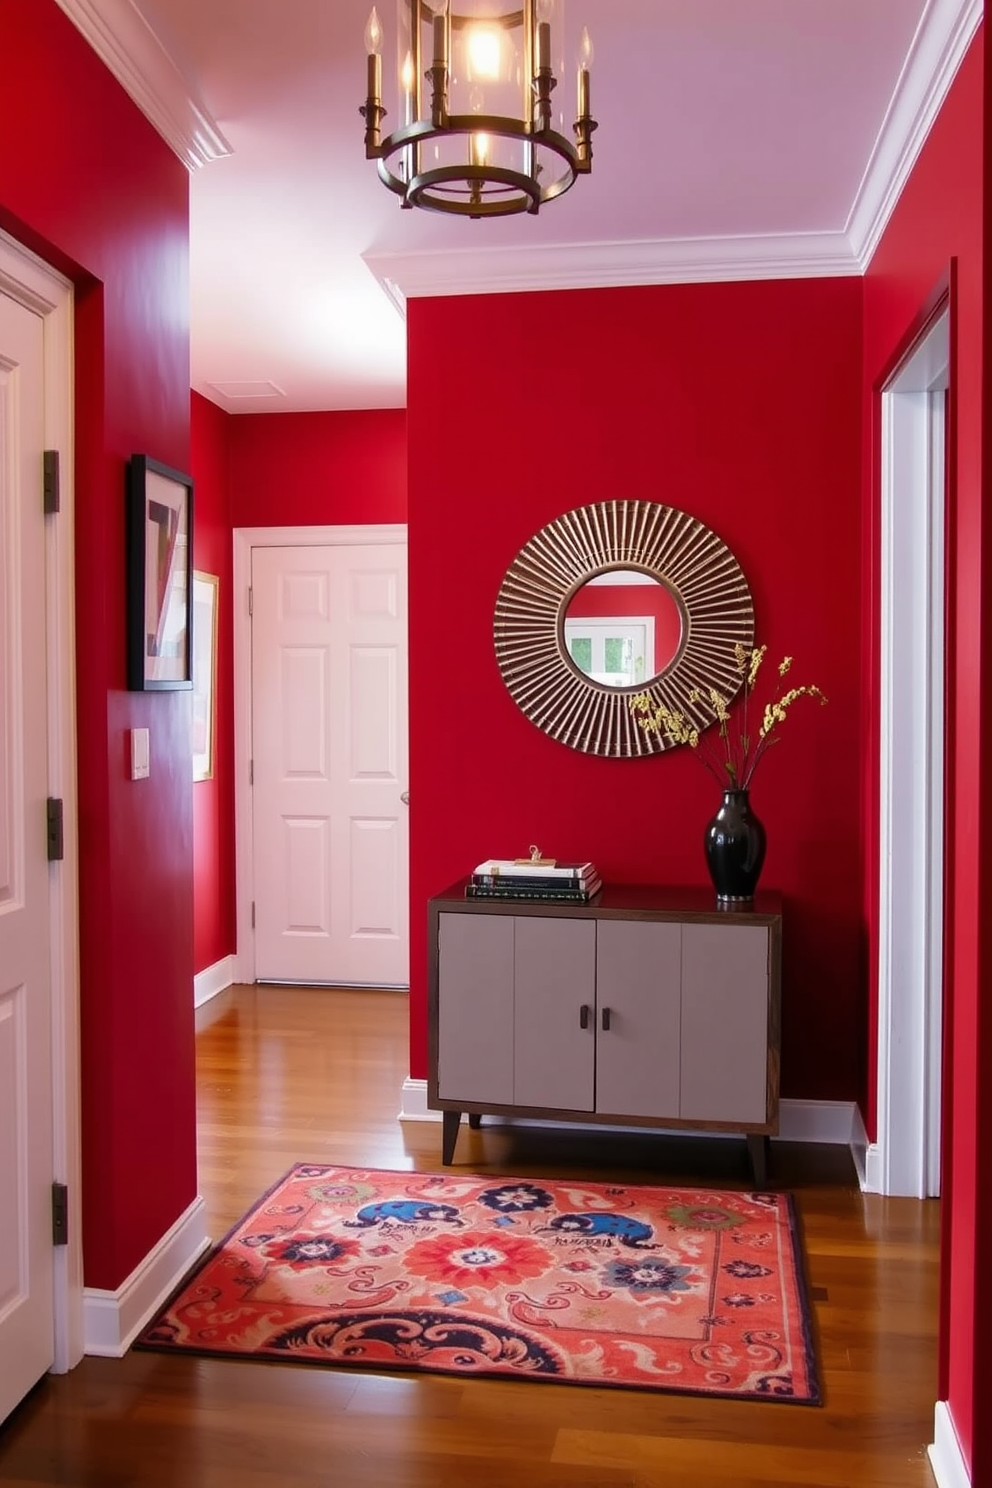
x=139 y=754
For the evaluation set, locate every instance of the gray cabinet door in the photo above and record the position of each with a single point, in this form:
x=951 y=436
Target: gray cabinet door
x=554 y=978
x=638 y=982
x=724 y=1023
x=475 y=1008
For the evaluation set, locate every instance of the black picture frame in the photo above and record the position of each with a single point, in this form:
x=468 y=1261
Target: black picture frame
x=159 y=530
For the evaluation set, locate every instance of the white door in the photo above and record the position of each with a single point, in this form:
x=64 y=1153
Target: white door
x=329 y=764
x=26 y=1158
x=905 y=1158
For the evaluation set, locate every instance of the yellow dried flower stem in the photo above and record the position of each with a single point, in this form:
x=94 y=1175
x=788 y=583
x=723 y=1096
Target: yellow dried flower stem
x=734 y=761
x=757 y=656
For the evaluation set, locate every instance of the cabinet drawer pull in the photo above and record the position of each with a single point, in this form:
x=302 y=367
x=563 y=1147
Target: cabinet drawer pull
x=583 y=1016
x=606 y=1020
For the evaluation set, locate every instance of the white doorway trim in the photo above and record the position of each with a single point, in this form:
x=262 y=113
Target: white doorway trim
x=245 y=539
x=905 y=1157
x=34 y=284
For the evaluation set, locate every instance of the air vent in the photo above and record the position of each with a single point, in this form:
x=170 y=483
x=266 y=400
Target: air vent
x=237 y=390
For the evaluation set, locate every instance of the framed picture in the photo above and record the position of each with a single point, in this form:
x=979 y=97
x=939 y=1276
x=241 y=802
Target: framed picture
x=205 y=588
x=159 y=576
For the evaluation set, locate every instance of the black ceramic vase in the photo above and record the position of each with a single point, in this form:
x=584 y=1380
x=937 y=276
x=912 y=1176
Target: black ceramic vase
x=735 y=849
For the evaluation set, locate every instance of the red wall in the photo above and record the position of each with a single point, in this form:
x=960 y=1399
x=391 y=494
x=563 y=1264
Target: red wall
x=87 y=182
x=290 y=469
x=214 y=928
x=939 y=215
x=740 y=404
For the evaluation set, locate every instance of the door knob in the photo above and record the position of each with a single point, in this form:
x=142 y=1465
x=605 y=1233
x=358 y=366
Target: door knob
x=405 y=797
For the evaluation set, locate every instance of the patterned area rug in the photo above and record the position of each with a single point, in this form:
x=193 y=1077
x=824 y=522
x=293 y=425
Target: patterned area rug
x=596 y=1284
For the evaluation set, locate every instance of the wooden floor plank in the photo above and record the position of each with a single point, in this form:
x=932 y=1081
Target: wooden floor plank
x=289 y=1075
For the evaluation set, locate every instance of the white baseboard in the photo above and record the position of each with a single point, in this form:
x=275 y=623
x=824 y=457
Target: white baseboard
x=799 y=1121
x=946 y=1458
x=871 y=1178
x=213 y=979
x=112 y=1320
x=413 y=1102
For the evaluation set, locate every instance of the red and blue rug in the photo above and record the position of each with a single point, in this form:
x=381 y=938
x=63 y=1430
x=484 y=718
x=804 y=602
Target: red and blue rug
x=674 y=1289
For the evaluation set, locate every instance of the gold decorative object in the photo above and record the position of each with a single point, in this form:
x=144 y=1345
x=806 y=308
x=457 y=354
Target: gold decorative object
x=669 y=546
x=478 y=140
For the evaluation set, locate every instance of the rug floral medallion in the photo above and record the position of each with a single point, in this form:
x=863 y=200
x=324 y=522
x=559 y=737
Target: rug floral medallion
x=559 y=1280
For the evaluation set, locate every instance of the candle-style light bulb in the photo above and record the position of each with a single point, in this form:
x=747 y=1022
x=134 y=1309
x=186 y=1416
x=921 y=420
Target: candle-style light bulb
x=373 y=34
x=406 y=83
x=545 y=9
x=587 y=52
x=439 y=10
x=373 y=45
x=585 y=62
x=484 y=52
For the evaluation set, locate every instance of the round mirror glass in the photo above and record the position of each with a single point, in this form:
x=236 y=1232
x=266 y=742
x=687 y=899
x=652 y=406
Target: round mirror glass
x=622 y=628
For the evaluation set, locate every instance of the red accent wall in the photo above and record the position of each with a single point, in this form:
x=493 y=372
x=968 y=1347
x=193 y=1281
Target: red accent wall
x=739 y=403
x=214 y=921
x=86 y=182
x=940 y=215
x=291 y=469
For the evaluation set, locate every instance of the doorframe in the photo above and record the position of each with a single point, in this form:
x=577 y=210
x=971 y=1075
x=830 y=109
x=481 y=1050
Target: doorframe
x=905 y=1157
x=27 y=279
x=245 y=540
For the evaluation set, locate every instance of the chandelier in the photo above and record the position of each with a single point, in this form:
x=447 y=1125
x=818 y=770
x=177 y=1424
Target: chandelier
x=476 y=131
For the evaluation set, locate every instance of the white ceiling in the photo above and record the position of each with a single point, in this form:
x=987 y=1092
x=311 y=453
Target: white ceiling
x=737 y=139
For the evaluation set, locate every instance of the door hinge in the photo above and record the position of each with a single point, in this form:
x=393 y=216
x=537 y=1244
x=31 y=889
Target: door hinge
x=250 y=600
x=51 y=487
x=251 y=772
x=55 y=834
x=253 y=914
x=60 y=1214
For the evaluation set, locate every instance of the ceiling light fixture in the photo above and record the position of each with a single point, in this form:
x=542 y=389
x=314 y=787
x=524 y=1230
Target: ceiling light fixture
x=476 y=133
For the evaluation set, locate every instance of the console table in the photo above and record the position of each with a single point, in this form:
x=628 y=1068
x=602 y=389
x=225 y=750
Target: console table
x=647 y=1007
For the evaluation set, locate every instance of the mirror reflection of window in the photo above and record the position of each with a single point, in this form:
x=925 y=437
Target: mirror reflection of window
x=622 y=628
x=614 y=653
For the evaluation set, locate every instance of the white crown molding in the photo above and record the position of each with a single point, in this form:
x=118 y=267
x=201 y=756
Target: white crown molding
x=505 y=270
x=122 y=39
x=942 y=38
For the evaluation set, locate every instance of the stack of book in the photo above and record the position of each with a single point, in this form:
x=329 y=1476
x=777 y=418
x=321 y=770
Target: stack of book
x=503 y=878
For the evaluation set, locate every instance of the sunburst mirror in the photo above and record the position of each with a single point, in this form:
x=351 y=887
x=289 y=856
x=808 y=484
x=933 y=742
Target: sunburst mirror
x=613 y=599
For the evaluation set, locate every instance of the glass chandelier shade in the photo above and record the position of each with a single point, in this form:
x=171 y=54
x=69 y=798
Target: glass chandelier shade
x=478 y=130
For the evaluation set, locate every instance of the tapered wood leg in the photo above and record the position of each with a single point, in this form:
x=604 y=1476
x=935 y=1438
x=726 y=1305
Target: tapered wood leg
x=475 y=1120
x=757 y=1151
x=450 y=1121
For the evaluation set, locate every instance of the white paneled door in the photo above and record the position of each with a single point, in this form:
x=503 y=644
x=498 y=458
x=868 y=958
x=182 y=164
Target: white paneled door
x=26 y=1161
x=329 y=764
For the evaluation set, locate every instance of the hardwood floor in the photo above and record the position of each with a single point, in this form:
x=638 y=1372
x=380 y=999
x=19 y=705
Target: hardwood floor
x=288 y=1075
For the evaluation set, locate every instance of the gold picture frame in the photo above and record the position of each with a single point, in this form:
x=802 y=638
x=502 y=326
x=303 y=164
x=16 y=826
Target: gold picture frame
x=206 y=590
x=677 y=550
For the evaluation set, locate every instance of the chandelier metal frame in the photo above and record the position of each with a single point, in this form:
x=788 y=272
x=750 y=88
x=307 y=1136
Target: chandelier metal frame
x=475 y=188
